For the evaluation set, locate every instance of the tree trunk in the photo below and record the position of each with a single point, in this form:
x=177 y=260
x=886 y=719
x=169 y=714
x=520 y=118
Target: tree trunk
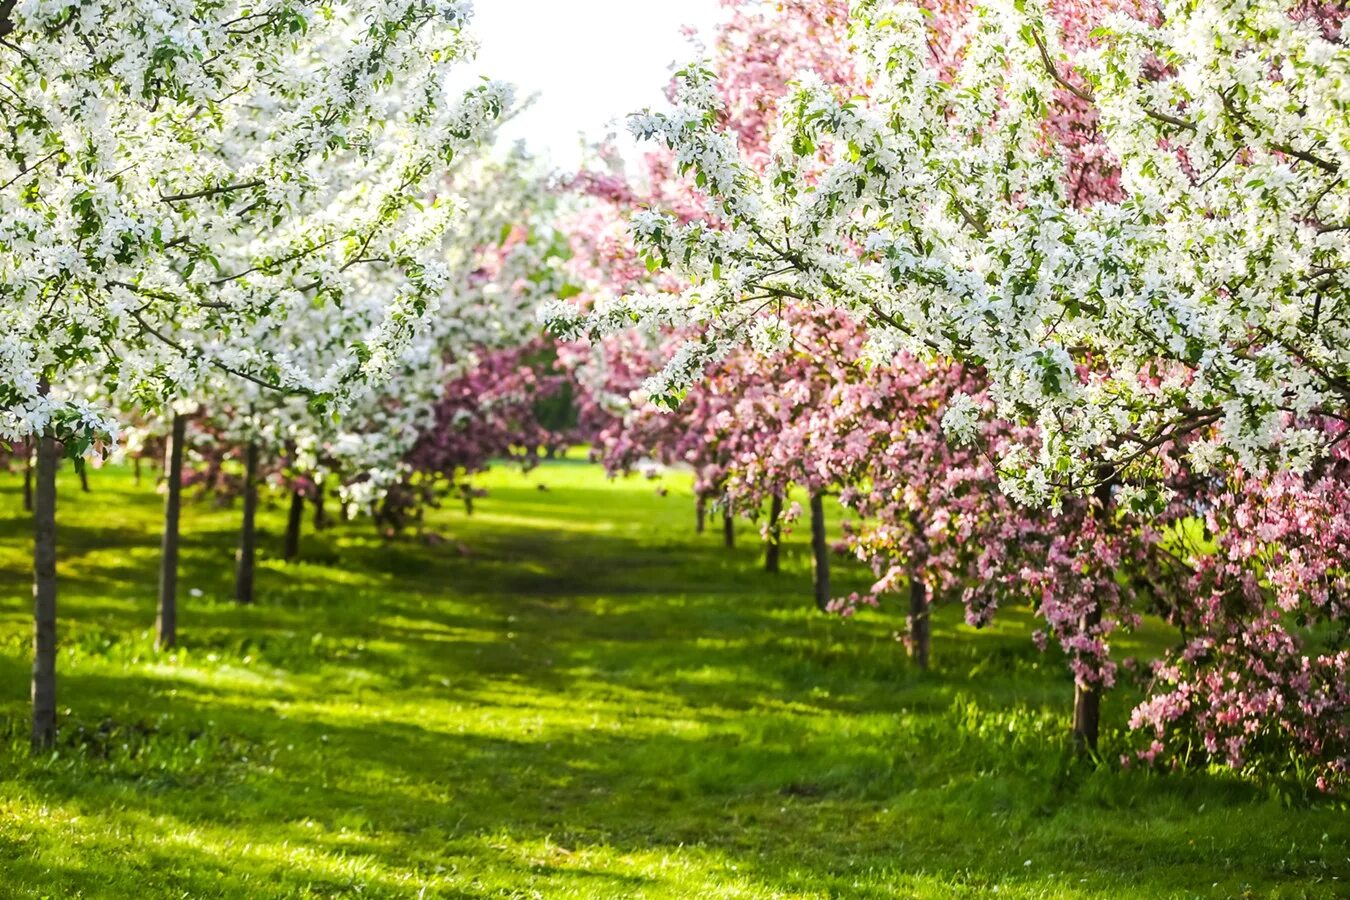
x=920 y=623
x=1087 y=700
x=28 y=478
x=166 y=621
x=291 y=549
x=468 y=501
x=44 y=595
x=820 y=552
x=136 y=470
x=320 y=516
x=700 y=515
x=83 y=471
x=728 y=530
x=772 y=550
x=244 y=559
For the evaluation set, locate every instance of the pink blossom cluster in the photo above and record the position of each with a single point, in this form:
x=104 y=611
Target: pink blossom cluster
x=1264 y=666
x=489 y=413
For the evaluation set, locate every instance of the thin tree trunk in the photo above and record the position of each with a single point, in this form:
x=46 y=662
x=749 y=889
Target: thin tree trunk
x=28 y=478
x=772 y=551
x=820 y=552
x=244 y=558
x=1087 y=699
x=728 y=530
x=44 y=595
x=291 y=549
x=700 y=515
x=920 y=622
x=84 y=476
x=468 y=501
x=320 y=515
x=166 y=621
x=136 y=470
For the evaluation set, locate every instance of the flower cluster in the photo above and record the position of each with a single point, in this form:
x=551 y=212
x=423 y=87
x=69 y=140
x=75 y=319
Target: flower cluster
x=201 y=189
x=1136 y=229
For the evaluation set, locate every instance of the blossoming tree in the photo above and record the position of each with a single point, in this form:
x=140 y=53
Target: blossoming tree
x=179 y=176
x=1207 y=299
x=1129 y=219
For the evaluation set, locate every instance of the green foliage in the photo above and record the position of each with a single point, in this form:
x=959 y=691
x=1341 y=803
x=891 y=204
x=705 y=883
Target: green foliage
x=571 y=696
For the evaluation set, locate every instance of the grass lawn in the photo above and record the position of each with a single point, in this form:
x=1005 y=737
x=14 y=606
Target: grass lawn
x=573 y=695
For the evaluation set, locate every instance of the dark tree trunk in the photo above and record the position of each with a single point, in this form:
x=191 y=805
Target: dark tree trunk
x=728 y=530
x=468 y=502
x=320 y=515
x=1087 y=700
x=920 y=623
x=700 y=515
x=136 y=470
x=773 y=550
x=44 y=595
x=820 y=552
x=28 y=478
x=291 y=549
x=244 y=558
x=166 y=621
x=83 y=471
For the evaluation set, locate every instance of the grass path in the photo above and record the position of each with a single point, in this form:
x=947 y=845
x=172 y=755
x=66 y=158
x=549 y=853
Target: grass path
x=572 y=696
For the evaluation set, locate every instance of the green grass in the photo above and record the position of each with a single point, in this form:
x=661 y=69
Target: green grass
x=573 y=695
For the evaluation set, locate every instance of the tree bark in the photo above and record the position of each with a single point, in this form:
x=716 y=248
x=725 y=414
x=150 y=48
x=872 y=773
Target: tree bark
x=166 y=621
x=920 y=622
x=291 y=550
x=728 y=530
x=28 y=478
x=83 y=471
x=700 y=515
x=820 y=552
x=468 y=501
x=245 y=557
x=1087 y=700
x=772 y=551
x=44 y=595
x=320 y=515
x=136 y=470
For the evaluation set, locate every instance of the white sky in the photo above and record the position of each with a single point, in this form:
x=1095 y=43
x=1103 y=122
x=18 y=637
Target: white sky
x=591 y=62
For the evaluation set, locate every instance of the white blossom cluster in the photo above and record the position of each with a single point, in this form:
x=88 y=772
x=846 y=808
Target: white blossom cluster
x=493 y=275
x=197 y=188
x=1213 y=299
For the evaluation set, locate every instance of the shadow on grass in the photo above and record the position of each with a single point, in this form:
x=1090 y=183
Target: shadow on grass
x=406 y=796
x=588 y=699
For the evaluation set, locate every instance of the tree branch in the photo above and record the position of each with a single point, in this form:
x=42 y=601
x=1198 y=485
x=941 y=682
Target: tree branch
x=211 y=192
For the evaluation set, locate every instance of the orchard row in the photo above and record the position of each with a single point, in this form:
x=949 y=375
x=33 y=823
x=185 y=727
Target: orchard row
x=1053 y=299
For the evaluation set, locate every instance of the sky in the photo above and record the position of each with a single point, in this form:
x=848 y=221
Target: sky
x=590 y=63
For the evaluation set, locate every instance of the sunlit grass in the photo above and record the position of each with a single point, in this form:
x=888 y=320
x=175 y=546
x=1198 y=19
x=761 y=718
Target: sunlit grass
x=572 y=694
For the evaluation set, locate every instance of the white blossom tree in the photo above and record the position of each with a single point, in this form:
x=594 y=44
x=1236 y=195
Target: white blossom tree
x=180 y=177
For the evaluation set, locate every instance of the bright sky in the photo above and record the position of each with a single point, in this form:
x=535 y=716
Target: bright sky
x=591 y=62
